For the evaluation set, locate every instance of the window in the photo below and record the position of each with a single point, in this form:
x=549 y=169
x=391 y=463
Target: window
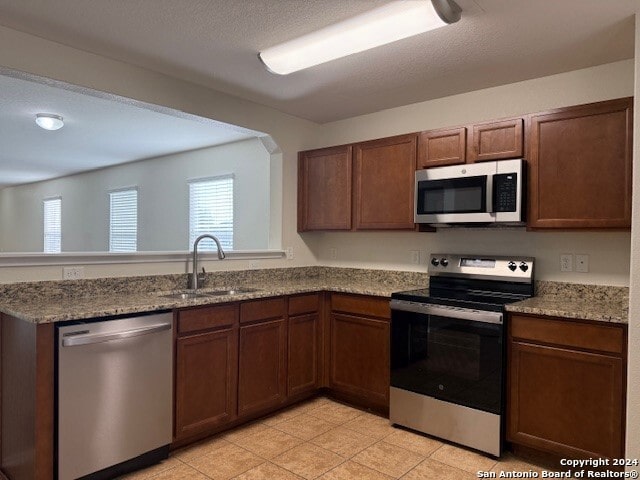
x=211 y=211
x=52 y=225
x=123 y=220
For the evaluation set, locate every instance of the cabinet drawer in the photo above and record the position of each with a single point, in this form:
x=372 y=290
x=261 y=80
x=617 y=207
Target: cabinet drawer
x=262 y=309
x=304 y=304
x=204 y=318
x=361 y=304
x=604 y=338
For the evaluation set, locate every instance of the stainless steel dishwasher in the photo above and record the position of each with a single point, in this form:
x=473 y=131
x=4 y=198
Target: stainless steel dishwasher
x=115 y=395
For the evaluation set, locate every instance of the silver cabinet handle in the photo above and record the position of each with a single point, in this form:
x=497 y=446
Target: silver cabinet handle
x=88 y=339
x=447 y=311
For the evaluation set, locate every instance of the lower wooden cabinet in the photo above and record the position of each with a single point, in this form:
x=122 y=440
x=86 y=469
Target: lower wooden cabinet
x=566 y=384
x=262 y=379
x=304 y=348
x=206 y=375
x=359 y=359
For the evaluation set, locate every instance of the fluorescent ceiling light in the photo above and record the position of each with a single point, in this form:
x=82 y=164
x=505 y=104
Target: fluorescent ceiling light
x=48 y=121
x=387 y=24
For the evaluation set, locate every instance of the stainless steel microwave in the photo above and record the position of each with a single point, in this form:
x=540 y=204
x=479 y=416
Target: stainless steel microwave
x=486 y=193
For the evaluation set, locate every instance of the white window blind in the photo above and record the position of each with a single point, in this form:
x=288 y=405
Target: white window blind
x=52 y=225
x=211 y=211
x=123 y=220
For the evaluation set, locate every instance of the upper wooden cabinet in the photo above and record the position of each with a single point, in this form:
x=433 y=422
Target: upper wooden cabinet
x=384 y=183
x=437 y=148
x=324 y=189
x=580 y=166
x=496 y=140
x=379 y=193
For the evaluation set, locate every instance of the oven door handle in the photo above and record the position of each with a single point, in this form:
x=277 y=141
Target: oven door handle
x=447 y=311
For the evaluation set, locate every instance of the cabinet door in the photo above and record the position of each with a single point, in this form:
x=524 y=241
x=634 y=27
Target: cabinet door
x=496 y=141
x=360 y=358
x=303 y=353
x=580 y=166
x=385 y=177
x=324 y=189
x=206 y=373
x=564 y=401
x=262 y=380
x=437 y=148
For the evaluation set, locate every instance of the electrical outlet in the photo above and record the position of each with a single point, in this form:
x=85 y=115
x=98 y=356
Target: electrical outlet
x=72 y=273
x=333 y=253
x=582 y=263
x=289 y=252
x=254 y=264
x=566 y=262
x=415 y=257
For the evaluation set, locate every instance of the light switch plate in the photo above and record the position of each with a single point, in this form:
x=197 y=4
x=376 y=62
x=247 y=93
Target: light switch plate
x=582 y=263
x=72 y=273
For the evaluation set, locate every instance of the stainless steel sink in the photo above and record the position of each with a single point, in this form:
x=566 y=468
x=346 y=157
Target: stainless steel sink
x=185 y=295
x=231 y=291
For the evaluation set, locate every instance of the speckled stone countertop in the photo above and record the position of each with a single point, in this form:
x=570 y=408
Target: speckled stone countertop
x=570 y=300
x=56 y=301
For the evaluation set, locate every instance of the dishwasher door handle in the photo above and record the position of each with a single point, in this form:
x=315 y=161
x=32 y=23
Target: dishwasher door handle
x=90 y=338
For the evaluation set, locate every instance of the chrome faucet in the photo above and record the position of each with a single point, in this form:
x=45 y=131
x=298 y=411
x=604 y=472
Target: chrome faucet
x=221 y=255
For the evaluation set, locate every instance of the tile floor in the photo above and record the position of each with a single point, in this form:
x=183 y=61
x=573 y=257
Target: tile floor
x=326 y=440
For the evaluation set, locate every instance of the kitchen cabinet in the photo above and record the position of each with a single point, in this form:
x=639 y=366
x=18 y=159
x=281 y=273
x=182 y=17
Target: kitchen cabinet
x=580 y=166
x=365 y=186
x=566 y=386
x=437 y=148
x=206 y=369
x=498 y=140
x=384 y=183
x=324 y=189
x=359 y=350
x=262 y=377
x=304 y=347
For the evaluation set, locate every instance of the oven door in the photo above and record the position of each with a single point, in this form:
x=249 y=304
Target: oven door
x=448 y=353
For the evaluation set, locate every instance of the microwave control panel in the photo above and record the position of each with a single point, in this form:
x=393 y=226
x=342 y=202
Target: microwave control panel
x=505 y=189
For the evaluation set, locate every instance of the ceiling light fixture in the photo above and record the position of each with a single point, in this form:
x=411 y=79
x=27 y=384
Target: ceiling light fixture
x=48 y=121
x=387 y=24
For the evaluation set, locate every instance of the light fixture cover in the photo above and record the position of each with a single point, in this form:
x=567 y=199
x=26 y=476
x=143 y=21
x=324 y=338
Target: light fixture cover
x=49 y=121
x=389 y=23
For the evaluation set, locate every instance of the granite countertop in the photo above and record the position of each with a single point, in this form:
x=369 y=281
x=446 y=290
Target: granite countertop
x=57 y=307
x=586 y=302
x=56 y=301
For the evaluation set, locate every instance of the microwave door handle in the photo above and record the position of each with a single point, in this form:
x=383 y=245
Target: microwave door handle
x=489 y=194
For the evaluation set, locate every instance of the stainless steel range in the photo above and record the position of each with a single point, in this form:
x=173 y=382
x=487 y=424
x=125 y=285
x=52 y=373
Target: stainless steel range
x=448 y=348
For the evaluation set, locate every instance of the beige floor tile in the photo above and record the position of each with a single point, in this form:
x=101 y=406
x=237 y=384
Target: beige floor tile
x=462 y=458
x=243 y=431
x=371 y=425
x=343 y=441
x=354 y=471
x=414 y=442
x=336 y=413
x=154 y=470
x=181 y=472
x=226 y=462
x=308 y=461
x=283 y=415
x=388 y=459
x=433 y=470
x=200 y=449
x=510 y=463
x=268 y=443
x=314 y=403
x=267 y=471
x=305 y=426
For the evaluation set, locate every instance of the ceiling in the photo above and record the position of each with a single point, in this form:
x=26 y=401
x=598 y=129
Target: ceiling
x=99 y=131
x=215 y=43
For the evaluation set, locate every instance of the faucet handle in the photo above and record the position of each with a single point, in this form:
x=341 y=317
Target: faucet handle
x=202 y=275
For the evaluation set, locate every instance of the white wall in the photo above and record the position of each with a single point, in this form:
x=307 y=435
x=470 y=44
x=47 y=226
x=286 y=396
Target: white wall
x=163 y=201
x=608 y=251
x=633 y=362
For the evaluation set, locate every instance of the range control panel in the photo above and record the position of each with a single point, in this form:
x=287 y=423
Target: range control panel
x=517 y=269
